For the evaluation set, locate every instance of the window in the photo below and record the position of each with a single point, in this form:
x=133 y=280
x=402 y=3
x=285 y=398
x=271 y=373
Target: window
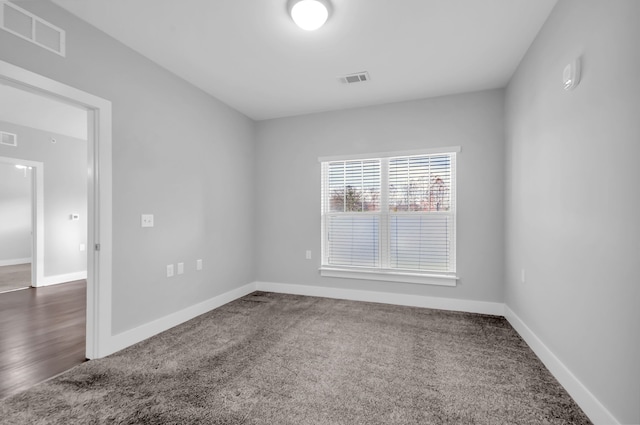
x=390 y=217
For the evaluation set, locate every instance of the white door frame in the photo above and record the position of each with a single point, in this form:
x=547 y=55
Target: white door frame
x=37 y=219
x=99 y=238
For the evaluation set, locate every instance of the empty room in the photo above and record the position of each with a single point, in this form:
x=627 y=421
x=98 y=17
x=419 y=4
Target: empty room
x=340 y=211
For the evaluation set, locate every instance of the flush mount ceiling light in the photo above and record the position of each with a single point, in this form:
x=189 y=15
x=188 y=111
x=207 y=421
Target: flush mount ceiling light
x=309 y=14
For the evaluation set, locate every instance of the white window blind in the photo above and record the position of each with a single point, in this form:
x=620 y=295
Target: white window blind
x=421 y=217
x=352 y=194
x=395 y=214
x=354 y=240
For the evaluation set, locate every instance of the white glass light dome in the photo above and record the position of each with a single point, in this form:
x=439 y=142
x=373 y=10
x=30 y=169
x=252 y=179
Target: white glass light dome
x=309 y=14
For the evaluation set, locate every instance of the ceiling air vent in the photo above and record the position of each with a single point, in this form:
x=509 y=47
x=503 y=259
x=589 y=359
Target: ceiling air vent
x=358 y=77
x=28 y=26
x=9 y=139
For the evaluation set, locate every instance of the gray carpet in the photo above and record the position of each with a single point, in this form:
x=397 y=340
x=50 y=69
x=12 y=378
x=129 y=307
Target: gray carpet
x=15 y=277
x=285 y=359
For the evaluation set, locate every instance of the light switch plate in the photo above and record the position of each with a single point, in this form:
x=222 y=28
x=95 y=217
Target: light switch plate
x=146 y=220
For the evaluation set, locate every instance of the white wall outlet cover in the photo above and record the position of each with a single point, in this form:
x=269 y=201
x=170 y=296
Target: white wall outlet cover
x=146 y=220
x=170 y=270
x=82 y=247
x=198 y=264
x=180 y=268
x=308 y=254
x=75 y=217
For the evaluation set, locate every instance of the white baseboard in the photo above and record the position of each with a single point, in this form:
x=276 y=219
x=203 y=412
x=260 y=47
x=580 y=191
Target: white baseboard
x=62 y=278
x=469 y=306
x=135 y=335
x=585 y=399
x=14 y=262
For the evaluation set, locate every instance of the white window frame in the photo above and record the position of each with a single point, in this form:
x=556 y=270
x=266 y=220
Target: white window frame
x=385 y=273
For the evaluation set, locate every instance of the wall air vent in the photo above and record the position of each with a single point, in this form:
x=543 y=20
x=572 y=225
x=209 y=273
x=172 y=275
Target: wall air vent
x=9 y=139
x=354 y=78
x=28 y=26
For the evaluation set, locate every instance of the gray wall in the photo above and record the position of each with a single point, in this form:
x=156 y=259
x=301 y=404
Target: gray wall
x=288 y=186
x=65 y=192
x=177 y=153
x=573 y=199
x=15 y=213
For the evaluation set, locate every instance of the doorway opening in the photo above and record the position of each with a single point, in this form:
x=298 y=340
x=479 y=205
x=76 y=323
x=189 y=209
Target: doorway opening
x=43 y=237
x=49 y=141
x=21 y=215
x=99 y=341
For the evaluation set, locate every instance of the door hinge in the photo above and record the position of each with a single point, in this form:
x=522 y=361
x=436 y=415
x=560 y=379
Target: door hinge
x=97 y=247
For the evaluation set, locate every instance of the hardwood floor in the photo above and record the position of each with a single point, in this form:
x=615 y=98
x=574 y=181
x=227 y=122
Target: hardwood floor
x=15 y=277
x=42 y=333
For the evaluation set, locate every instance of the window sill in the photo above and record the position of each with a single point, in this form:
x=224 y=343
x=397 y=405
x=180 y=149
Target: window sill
x=389 y=276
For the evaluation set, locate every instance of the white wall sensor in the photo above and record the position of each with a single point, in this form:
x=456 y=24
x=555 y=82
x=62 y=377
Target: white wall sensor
x=571 y=75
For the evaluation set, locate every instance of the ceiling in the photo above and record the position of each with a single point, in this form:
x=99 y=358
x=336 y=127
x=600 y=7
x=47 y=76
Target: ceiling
x=250 y=54
x=33 y=110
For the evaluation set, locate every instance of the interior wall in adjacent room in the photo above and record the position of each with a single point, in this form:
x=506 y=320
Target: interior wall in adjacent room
x=64 y=192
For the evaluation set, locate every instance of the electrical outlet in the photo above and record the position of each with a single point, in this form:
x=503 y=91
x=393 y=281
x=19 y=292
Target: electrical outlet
x=198 y=265
x=146 y=220
x=82 y=247
x=308 y=254
x=180 y=268
x=170 y=270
